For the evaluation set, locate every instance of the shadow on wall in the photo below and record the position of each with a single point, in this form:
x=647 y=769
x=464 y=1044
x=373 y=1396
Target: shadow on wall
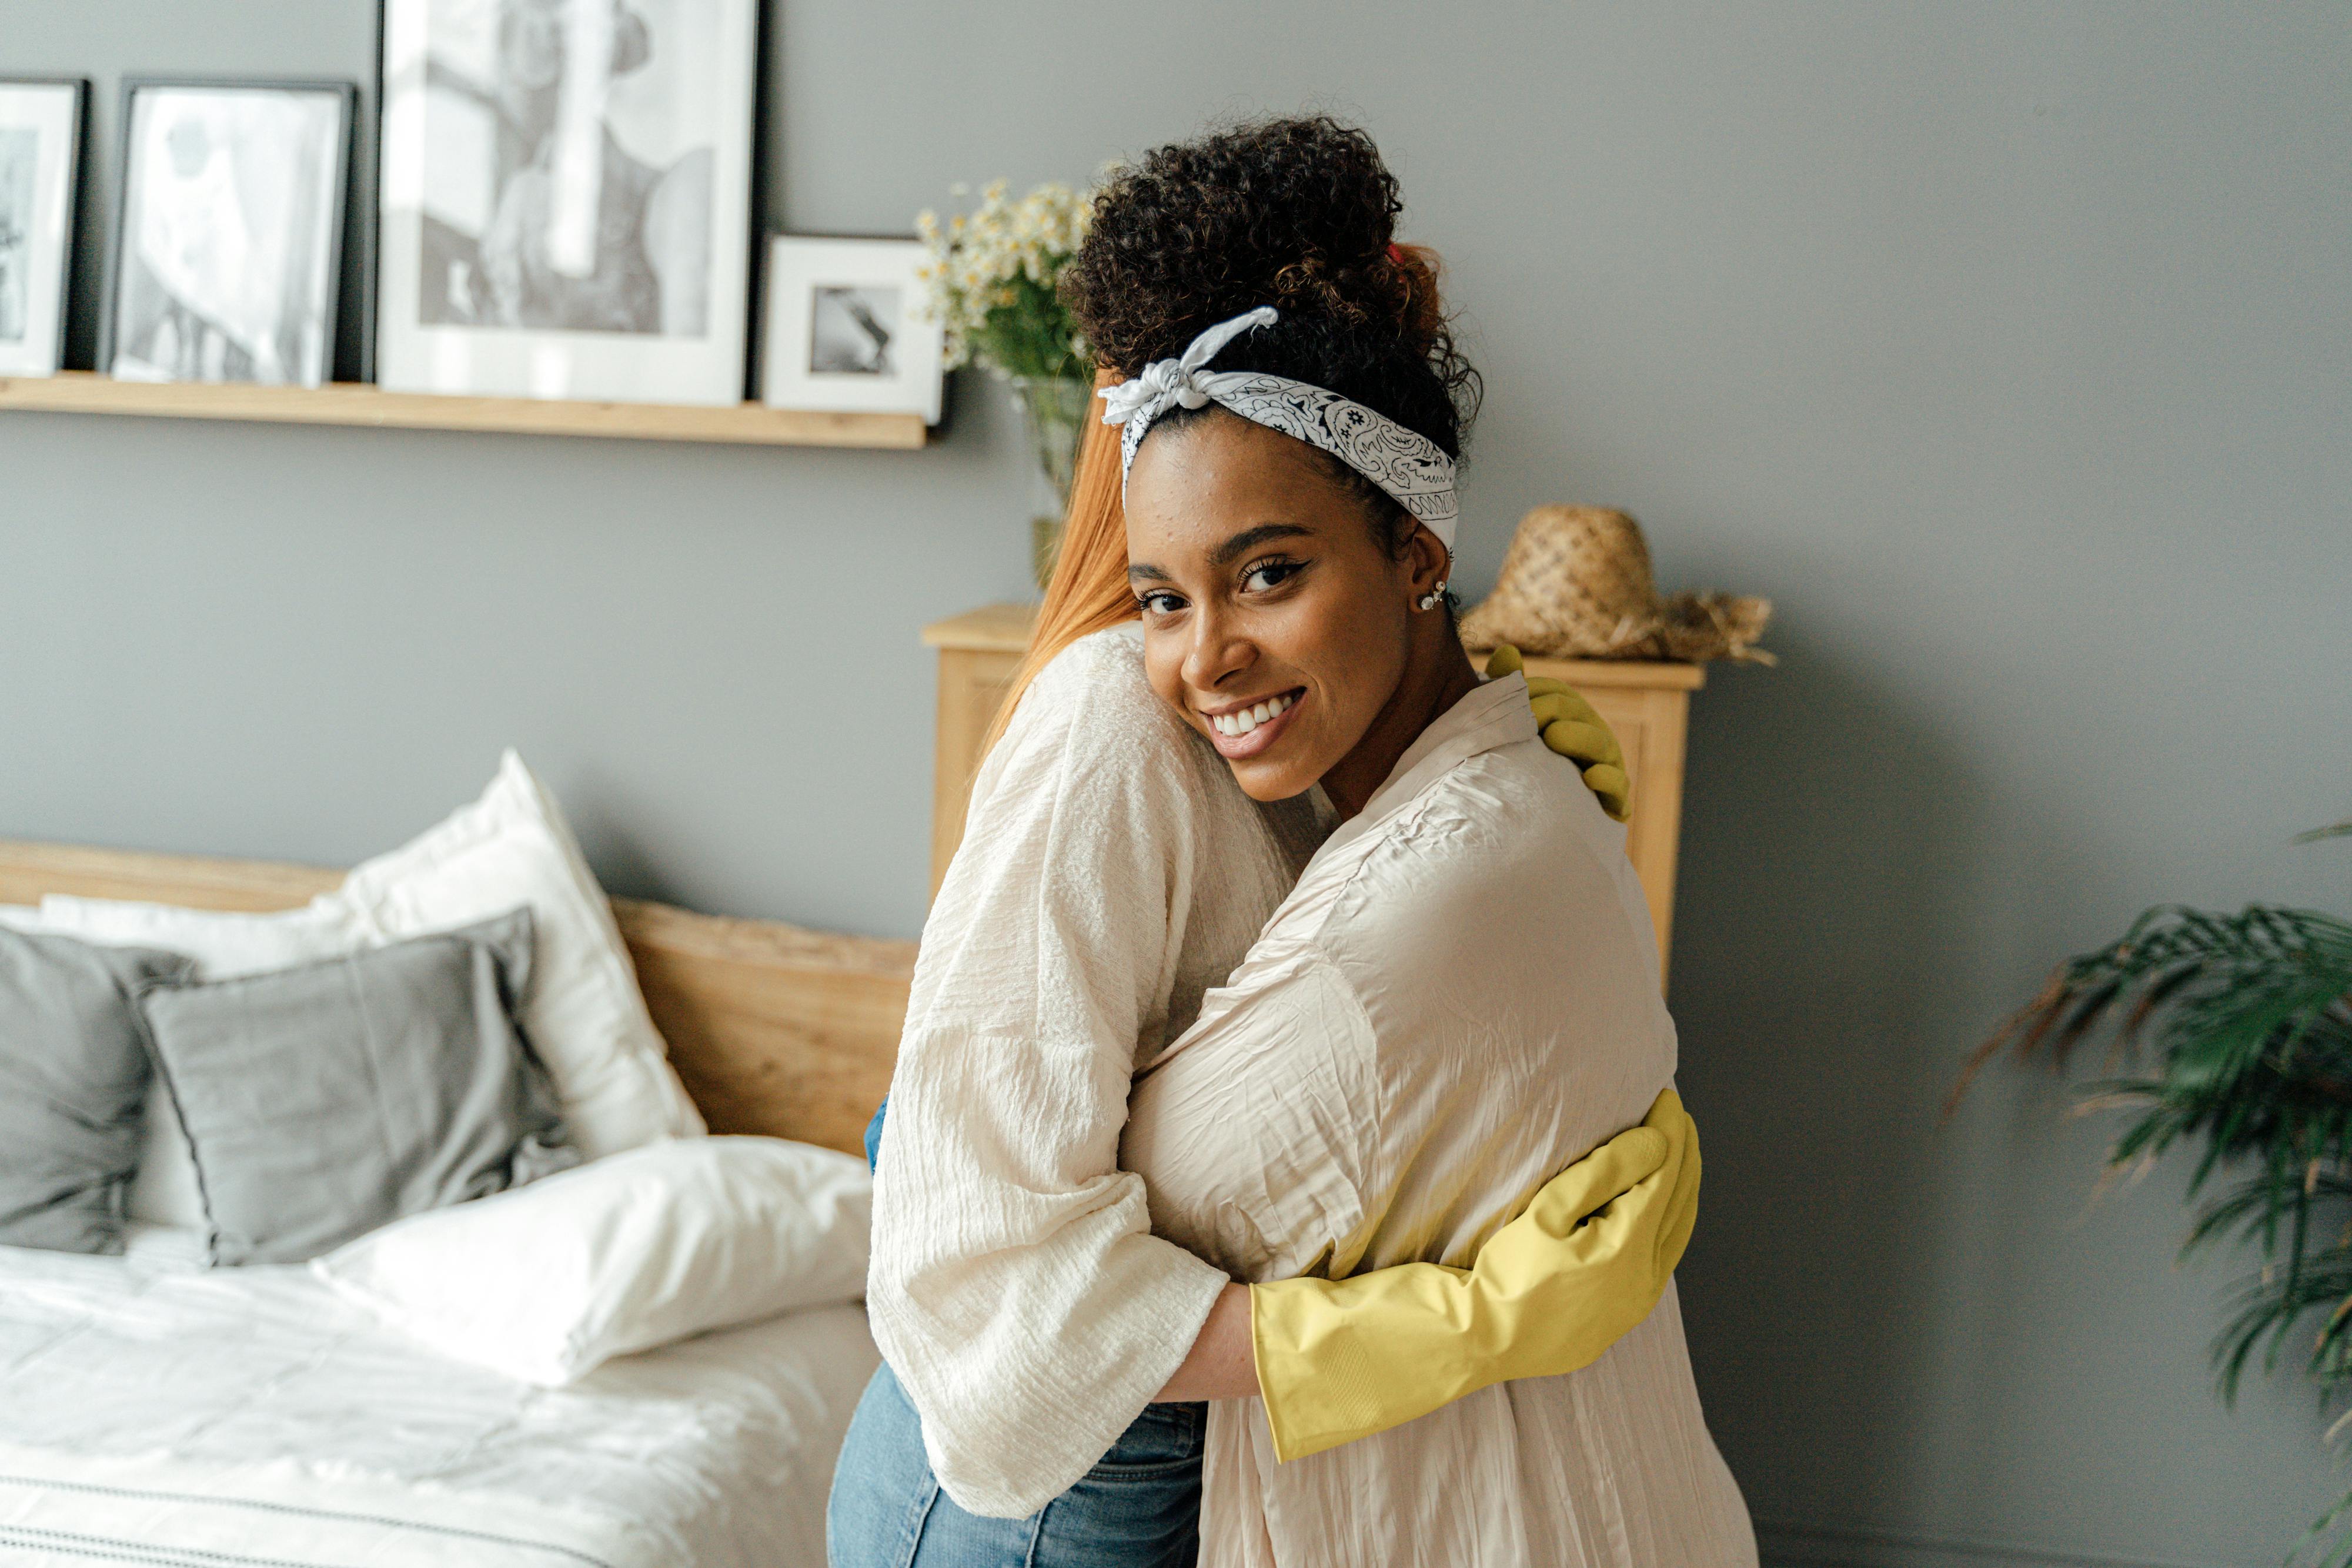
x=1827 y=838
x=608 y=822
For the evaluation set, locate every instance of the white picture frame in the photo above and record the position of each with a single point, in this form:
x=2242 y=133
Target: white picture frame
x=229 y=243
x=40 y=171
x=553 y=231
x=843 y=331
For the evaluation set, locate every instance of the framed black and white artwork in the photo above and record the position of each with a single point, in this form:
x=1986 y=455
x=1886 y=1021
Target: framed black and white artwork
x=226 y=259
x=844 y=331
x=40 y=164
x=566 y=198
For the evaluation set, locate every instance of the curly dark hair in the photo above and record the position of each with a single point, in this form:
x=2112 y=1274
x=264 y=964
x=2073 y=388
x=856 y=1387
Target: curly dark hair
x=1300 y=213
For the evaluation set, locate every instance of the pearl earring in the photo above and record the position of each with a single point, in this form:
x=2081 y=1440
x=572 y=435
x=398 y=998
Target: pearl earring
x=1429 y=600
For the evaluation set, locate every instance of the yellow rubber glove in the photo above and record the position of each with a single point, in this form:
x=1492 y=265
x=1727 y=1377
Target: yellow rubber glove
x=1572 y=728
x=1582 y=1264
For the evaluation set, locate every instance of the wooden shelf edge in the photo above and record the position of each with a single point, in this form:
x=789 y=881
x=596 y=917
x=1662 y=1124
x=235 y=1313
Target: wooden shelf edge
x=346 y=403
x=1643 y=674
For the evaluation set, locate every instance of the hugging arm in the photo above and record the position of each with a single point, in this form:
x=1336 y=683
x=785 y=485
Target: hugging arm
x=1577 y=1270
x=1580 y=1266
x=1015 y=1287
x=1582 y=1263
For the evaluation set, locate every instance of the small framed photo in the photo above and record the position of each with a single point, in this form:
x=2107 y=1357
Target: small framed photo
x=566 y=205
x=843 y=331
x=40 y=167
x=226 y=260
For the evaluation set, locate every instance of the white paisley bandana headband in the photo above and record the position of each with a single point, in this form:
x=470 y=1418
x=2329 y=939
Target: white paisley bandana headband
x=1410 y=466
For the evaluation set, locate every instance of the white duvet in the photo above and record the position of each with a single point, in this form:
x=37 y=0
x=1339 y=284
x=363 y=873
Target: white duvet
x=155 y=1412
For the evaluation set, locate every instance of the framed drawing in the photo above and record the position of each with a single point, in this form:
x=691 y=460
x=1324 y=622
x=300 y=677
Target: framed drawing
x=227 y=254
x=566 y=198
x=41 y=166
x=843 y=331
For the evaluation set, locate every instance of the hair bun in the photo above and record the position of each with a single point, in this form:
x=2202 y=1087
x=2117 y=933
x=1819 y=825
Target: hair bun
x=1300 y=213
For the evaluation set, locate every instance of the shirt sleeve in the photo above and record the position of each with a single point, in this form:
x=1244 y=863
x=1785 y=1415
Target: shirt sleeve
x=1015 y=1287
x=1284 y=1050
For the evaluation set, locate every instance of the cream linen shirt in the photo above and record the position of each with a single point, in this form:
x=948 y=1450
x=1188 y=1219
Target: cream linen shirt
x=1458 y=998
x=1111 y=872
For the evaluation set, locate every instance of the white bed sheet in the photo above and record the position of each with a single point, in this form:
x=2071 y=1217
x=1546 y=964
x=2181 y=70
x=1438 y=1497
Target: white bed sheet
x=154 y=1411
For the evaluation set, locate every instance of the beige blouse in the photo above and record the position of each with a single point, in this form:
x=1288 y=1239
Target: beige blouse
x=1459 y=997
x=1111 y=872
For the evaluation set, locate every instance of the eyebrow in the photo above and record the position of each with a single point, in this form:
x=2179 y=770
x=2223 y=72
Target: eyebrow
x=1225 y=553
x=1250 y=539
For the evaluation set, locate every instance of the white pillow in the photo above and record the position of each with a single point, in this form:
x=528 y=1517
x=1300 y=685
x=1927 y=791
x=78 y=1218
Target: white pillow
x=225 y=945
x=583 y=1012
x=547 y=1281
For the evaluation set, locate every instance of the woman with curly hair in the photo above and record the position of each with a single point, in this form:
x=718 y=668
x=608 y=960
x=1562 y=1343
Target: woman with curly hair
x=1251 y=675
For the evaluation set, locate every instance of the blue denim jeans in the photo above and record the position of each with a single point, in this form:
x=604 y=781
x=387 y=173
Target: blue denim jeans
x=1139 y=1508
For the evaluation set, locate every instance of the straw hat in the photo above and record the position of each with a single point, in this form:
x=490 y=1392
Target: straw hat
x=1576 y=584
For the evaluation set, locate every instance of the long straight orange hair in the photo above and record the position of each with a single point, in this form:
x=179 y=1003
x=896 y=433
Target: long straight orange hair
x=1089 y=591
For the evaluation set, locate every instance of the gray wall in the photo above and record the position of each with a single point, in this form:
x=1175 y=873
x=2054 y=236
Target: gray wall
x=2005 y=346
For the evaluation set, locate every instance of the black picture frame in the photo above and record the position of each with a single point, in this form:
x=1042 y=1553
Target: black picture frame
x=76 y=183
x=714 y=367
x=346 y=95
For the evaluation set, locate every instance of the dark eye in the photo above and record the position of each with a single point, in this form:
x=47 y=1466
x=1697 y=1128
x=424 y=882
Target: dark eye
x=1266 y=574
x=1160 y=603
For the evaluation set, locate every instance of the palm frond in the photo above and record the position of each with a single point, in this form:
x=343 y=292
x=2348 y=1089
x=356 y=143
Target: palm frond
x=2235 y=1034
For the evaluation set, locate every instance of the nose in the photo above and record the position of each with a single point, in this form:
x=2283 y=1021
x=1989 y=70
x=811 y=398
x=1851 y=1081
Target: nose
x=1217 y=650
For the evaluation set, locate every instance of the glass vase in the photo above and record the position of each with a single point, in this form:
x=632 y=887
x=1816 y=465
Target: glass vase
x=1054 y=409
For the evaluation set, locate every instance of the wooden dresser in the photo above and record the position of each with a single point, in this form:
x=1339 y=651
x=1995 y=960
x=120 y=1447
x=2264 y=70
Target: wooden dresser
x=1648 y=705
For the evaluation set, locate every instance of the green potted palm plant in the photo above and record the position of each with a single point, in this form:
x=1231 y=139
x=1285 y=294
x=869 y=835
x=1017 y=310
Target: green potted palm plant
x=2232 y=1035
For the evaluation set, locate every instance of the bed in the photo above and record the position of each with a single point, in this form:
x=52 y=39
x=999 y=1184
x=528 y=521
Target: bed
x=154 y=1411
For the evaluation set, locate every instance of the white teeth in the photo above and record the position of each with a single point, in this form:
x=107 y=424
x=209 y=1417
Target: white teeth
x=1241 y=721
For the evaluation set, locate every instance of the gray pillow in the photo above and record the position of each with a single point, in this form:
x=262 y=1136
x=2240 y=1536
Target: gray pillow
x=73 y=1077
x=325 y=1100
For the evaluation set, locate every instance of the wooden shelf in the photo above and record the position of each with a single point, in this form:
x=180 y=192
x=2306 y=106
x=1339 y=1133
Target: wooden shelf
x=347 y=403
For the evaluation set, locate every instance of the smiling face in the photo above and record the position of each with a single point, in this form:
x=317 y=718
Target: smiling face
x=1273 y=620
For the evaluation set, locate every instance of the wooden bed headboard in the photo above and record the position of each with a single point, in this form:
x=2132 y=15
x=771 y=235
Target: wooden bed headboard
x=775 y=1028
